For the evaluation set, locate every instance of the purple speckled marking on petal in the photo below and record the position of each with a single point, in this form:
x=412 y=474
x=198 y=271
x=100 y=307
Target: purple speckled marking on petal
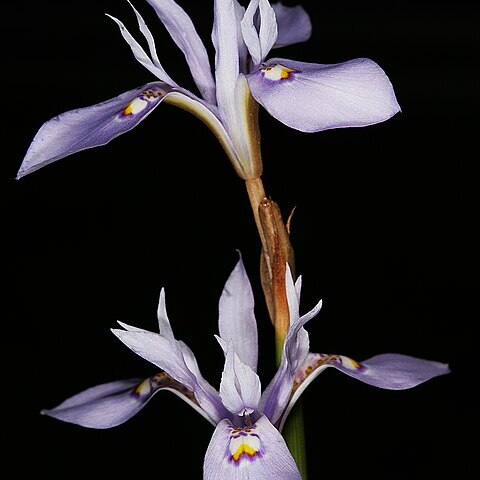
x=144 y=101
x=145 y=389
x=244 y=444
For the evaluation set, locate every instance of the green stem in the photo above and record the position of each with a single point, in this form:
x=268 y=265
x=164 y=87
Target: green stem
x=294 y=434
x=294 y=431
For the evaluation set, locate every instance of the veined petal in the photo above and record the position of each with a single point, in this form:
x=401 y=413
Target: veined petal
x=175 y=358
x=113 y=403
x=236 y=319
x=294 y=25
x=257 y=452
x=141 y=56
x=183 y=32
x=240 y=387
x=89 y=127
x=312 y=97
x=391 y=371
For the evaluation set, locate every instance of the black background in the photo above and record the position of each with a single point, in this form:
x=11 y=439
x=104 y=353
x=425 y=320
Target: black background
x=385 y=231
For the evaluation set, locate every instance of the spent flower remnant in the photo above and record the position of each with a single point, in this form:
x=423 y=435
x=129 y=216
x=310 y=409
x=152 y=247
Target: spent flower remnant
x=308 y=97
x=247 y=440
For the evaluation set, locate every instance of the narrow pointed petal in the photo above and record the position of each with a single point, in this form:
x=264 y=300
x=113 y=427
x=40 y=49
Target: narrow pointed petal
x=312 y=97
x=240 y=387
x=89 y=127
x=113 y=403
x=250 y=34
x=148 y=36
x=277 y=395
x=141 y=56
x=183 y=32
x=294 y=25
x=268 y=28
x=174 y=358
x=298 y=286
x=293 y=297
x=259 y=42
x=164 y=326
x=236 y=321
x=160 y=351
x=255 y=453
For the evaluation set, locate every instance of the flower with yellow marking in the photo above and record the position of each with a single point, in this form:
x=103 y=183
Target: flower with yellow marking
x=244 y=444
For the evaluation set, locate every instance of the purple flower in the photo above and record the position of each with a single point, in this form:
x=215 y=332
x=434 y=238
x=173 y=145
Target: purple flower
x=306 y=96
x=247 y=442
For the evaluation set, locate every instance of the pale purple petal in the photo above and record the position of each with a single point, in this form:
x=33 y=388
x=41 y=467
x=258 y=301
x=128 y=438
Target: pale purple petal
x=236 y=319
x=276 y=396
x=298 y=286
x=250 y=33
x=148 y=36
x=311 y=367
x=392 y=371
x=255 y=453
x=294 y=25
x=268 y=28
x=142 y=57
x=206 y=395
x=89 y=127
x=240 y=387
x=113 y=403
x=160 y=351
x=183 y=32
x=164 y=326
x=225 y=40
x=259 y=41
x=293 y=297
x=175 y=358
x=312 y=97
x=244 y=60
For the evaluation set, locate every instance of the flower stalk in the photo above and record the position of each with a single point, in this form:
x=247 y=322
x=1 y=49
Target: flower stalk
x=277 y=251
x=308 y=97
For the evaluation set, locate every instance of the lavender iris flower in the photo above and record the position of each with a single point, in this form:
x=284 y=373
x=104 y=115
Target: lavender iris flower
x=308 y=97
x=247 y=442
